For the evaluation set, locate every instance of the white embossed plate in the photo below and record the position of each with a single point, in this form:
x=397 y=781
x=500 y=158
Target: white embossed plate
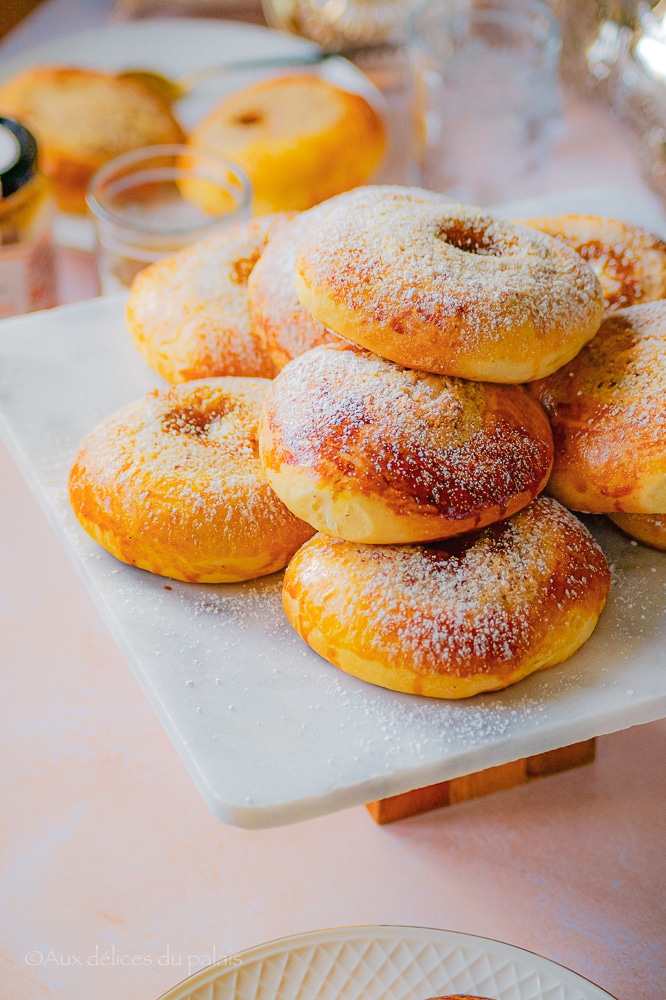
x=385 y=963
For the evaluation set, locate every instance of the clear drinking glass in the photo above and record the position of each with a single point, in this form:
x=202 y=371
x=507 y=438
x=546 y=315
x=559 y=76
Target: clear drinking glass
x=341 y=24
x=640 y=89
x=486 y=96
x=151 y=202
x=595 y=34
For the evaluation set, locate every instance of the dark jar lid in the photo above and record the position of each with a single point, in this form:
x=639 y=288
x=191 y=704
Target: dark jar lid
x=18 y=156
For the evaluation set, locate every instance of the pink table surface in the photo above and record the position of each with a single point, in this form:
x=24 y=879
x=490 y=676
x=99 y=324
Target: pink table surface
x=107 y=847
x=116 y=881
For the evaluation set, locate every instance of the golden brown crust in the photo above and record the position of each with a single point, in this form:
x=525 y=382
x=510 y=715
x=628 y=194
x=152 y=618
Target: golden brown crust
x=608 y=413
x=452 y=619
x=650 y=529
x=286 y=328
x=83 y=118
x=189 y=314
x=448 y=289
x=629 y=261
x=369 y=451
x=172 y=484
x=299 y=138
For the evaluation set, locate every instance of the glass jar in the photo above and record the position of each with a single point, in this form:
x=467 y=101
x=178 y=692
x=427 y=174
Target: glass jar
x=27 y=252
x=149 y=203
x=486 y=97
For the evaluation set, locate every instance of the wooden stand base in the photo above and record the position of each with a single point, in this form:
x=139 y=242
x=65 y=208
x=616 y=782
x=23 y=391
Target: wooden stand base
x=13 y=12
x=472 y=786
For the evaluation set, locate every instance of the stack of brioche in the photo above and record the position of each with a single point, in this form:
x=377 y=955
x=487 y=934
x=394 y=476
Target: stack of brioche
x=375 y=393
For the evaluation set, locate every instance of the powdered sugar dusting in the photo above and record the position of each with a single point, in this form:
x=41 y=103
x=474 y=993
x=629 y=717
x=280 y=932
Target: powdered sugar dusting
x=608 y=409
x=189 y=314
x=418 y=441
x=444 y=270
x=181 y=464
x=629 y=261
x=478 y=604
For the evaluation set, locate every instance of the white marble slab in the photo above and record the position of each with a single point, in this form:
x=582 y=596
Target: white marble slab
x=270 y=732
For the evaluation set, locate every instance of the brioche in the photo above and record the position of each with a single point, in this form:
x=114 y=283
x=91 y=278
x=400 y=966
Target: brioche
x=172 y=484
x=607 y=409
x=452 y=619
x=629 y=261
x=189 y=314
x=369 y=451
x=83 y=118
x=447 y=288
x=299 y=138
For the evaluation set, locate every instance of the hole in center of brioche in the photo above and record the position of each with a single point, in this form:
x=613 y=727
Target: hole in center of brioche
x=249 y=118
x=192 y=420
x=471 y=239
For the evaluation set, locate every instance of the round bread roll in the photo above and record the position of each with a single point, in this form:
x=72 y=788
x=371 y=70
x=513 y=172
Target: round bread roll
x=286 y=327
x=452 y=619
x=172 y=484
x=608 y=413
x=299 y=139
x=189 y=315
x=371 y=452
x=629 y=261
x=83 y=118
x=448 y=289
x=650 y=529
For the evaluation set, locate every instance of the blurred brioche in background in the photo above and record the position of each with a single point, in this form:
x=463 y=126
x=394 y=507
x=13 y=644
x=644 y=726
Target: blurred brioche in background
x=299 y=138
x=83 y=118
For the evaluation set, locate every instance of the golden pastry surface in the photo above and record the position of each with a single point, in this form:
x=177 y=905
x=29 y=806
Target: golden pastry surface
x=629 y=261
x=447 y=288
x=650 y=529
x=452 y=619
x=299 y=138
x=287 y=328
x=607 y=409
x=189 y=315
x=172 y=484
x=369 y=451
x=83 y=118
